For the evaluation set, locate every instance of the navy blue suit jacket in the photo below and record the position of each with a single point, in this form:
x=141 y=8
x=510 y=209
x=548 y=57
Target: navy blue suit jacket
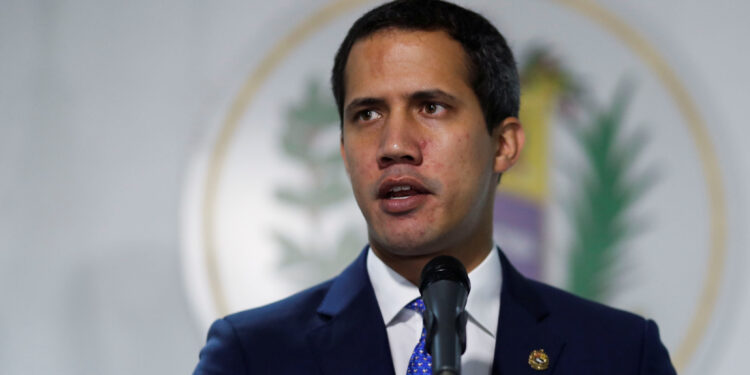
x=337 y=328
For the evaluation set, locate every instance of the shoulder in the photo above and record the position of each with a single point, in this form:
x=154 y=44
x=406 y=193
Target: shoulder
x=576 y=310
x=601 y=336
x=270 y=332
x=294 y=311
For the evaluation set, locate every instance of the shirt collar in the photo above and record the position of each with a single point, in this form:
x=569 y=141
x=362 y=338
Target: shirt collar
x=483 y=304
x=393 y=291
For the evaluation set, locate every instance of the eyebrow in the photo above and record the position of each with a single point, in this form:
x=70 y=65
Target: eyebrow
x=364 y=102
x=431 y=94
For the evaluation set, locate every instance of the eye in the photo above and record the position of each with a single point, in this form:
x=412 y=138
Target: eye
x=433 y=108
x=367 y=115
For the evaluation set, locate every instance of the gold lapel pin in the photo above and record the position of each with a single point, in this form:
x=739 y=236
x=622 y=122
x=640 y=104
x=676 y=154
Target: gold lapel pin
x=538 y=360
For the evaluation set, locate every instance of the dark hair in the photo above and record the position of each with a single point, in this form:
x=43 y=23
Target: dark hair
x=492 y=69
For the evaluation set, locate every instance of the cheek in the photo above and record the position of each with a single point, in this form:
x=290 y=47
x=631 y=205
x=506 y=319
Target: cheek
x=466 y=148
x=464 y=161
x=456 y=153
x=429 y=150
x=359 y=173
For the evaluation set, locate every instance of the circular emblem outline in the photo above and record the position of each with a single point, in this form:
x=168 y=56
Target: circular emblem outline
x=604 y=18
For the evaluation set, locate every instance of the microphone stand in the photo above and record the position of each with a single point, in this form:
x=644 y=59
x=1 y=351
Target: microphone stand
x=445 y=289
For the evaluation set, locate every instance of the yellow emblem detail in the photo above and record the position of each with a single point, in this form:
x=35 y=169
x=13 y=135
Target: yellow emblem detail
x=538 y=360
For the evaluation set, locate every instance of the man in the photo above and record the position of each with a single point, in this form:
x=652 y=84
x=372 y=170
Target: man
x=428 y=96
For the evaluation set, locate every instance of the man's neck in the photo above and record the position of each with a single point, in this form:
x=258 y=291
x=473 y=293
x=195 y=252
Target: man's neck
x=410 y=267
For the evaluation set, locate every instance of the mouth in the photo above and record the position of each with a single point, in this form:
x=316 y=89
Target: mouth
x=401 y=194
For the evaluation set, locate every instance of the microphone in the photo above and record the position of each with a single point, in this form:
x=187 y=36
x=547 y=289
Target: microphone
x=445 y=287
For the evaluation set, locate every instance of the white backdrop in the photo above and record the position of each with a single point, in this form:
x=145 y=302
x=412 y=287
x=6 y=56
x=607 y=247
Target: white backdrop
x=101 y=106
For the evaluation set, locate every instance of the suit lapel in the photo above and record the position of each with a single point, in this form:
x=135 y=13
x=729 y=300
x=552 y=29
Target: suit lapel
x=523 y=327
x=351 y=338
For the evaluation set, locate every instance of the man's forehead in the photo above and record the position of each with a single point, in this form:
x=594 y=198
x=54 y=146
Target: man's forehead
x=391 y=43
x=406 y=54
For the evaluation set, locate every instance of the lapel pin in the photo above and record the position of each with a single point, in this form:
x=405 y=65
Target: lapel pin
x=538 y=360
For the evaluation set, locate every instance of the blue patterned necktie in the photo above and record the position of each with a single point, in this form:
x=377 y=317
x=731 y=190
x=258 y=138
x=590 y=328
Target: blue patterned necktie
x=420 y=362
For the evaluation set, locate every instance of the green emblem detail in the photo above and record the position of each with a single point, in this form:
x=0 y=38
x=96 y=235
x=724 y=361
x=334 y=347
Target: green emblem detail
x=600 y=214
x=310 y=140
x=605 y=187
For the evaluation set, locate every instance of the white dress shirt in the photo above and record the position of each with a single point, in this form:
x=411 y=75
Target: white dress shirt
x=404 y=326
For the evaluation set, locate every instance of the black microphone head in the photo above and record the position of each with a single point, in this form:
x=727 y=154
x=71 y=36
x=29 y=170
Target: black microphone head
x=444 y=267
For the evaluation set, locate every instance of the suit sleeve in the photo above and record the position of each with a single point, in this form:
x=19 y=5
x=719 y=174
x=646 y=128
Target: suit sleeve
x=223 y=354
x=655 y=358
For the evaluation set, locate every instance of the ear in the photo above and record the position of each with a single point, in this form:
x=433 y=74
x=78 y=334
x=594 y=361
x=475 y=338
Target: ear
x=509 y=139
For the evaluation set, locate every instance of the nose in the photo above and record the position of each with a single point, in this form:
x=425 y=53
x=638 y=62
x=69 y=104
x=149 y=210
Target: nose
x=399 y=143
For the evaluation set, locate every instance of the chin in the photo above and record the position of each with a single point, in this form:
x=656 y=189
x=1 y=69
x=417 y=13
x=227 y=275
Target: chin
x=406 y=244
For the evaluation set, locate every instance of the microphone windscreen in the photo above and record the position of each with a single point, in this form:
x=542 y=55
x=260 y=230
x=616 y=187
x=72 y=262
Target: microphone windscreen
x=444 y=267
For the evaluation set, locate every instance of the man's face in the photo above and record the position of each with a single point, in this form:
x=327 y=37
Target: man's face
x=422 y=164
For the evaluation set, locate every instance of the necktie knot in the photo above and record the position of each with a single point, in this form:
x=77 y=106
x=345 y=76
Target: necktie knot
x=416 y=305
